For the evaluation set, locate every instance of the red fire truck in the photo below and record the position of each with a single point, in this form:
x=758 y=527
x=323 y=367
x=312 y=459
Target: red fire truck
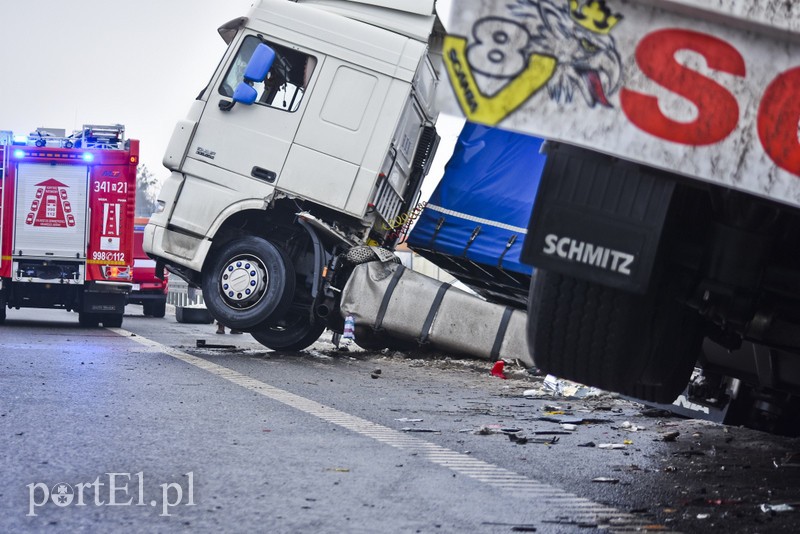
x=66 y=221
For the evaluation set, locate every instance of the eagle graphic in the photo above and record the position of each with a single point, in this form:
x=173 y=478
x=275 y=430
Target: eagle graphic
x=587 y=59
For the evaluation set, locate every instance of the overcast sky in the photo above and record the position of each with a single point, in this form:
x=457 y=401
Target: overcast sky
x=139 y=63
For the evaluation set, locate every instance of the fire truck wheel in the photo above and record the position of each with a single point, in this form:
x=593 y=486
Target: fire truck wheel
x=640 y=345
x=157 y=309
x=295 y=332
x=247 y=282
x=89 y=320
x=112 y=320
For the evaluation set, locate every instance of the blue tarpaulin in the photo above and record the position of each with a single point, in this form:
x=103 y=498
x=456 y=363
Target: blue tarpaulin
x=476 y=220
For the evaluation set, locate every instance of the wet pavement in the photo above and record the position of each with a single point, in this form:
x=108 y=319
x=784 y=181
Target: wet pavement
x=359 y=441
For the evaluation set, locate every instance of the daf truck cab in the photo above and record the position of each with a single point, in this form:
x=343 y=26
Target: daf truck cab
x=314 y=132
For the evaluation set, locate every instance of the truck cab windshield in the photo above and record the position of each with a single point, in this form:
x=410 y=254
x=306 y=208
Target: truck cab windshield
x=286 y=81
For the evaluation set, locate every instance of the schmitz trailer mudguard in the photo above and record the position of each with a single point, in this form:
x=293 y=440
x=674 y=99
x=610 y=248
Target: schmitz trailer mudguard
x=597 y=218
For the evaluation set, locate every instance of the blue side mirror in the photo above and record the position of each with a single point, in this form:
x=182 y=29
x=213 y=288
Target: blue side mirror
x=245 y=94
x=259 y=64
x=257 y=68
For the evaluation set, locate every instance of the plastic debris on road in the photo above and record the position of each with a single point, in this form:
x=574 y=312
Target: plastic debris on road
x=564 y=388
x=497 y=369
x=777 y=508
x=349 y=330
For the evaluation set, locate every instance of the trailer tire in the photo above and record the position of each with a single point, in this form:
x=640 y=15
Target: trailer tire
x=157 y=309
x=293 y=333
x=88 y=320
x=248 y=282
x=640 y=345
x=112 y=320
x=185 y=315
x=2 y=307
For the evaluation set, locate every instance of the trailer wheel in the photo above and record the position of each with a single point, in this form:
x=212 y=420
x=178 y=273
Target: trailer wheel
x=112 y=320
x=293 y=333
x=641 y=345
x=192 y=315
x=157 y=309
x=247 y=282
x=88 y=320
x=2 y=307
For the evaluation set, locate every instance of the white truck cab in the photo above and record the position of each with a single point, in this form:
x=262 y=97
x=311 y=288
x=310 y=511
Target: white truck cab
x=315 y=130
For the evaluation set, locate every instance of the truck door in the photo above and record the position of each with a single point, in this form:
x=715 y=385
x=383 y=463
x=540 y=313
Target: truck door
x=51 y=210
x=254 y=140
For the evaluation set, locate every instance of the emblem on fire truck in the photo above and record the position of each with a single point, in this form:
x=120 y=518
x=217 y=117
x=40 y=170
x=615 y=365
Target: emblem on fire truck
x=111 y=230
x=51 y=207
x=565 y=47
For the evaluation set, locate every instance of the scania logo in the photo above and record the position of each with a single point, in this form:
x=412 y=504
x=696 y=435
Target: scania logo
x=588 y=253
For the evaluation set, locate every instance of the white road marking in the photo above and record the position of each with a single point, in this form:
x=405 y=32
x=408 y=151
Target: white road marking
x=570 y=508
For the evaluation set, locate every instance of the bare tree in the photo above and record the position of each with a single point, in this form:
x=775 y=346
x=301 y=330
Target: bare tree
x=147 y=187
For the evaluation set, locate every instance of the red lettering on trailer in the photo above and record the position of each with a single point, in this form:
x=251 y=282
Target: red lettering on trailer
x=717 y=109
x=778 y=117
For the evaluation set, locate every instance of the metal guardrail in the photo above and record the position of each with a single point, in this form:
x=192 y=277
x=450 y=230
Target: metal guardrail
x=180 y=295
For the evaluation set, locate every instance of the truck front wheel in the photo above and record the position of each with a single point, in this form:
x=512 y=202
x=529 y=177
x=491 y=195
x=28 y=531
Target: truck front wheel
x=295 y=332
x=639 y=345
x=247 y=282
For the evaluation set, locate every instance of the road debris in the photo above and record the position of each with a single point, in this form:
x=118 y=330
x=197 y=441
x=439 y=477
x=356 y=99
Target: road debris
x=611 y=446
x=606 y=480
x=376 y=373
x=497 y=369
x=421 y=430
x=776 y=508
x=407 y=420
x=565 y=388
x=519 y=439
x=202 y=344
x=670 y=436
x=514 y=527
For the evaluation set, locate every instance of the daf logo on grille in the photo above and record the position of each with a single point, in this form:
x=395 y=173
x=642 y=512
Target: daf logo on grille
x=205 y=153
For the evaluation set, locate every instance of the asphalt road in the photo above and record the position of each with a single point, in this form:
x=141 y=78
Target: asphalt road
x=138 y=429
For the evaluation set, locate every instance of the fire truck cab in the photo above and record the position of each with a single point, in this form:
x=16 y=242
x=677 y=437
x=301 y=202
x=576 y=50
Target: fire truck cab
x=66 y=221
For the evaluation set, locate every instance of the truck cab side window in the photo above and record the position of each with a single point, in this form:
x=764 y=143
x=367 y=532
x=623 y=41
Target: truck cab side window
x=286 y=81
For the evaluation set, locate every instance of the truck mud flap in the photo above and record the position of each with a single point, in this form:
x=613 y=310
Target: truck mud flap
x=410 y=306
x=597 y=218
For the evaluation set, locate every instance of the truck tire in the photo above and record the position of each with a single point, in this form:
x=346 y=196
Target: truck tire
x=2 y=307
x=640 y=345
x=294 y=333
x=192 y=315
x=157 y=309
x=248 y=282
x=89 y=320
x=112 y=320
